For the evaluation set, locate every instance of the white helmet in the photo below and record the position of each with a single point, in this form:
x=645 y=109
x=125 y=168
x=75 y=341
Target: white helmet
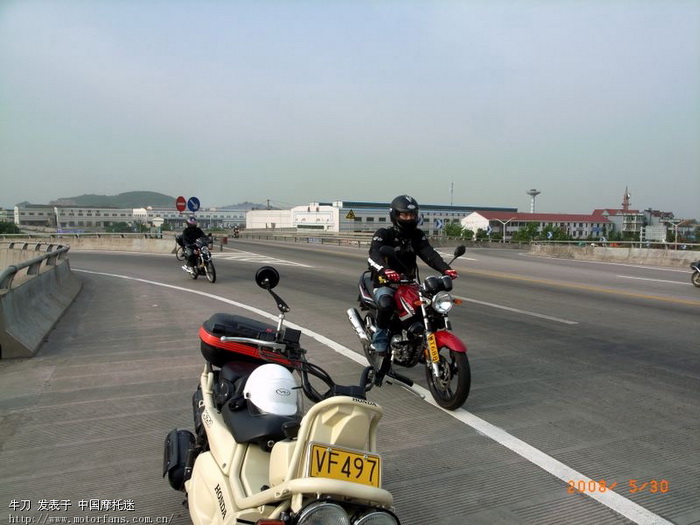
x=272 y=389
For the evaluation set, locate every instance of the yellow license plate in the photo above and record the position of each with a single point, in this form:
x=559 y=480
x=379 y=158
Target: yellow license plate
x=345 y=465
x=433 y=349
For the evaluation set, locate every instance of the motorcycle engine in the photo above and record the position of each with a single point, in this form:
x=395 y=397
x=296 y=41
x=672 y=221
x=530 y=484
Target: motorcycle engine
x=407 y=345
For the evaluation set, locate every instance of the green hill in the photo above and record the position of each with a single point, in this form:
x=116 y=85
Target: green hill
x=130 y=199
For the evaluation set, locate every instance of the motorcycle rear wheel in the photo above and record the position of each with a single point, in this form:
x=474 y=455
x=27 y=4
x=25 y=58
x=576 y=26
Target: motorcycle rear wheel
x=451 y=389
x=210 y=271
x=179 y=253
x=695 y=278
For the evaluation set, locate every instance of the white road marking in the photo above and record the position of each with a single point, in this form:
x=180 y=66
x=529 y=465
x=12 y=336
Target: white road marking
x=448 y=256
x=648 y=279
x=610 y=499
x=524 y=312
x=258 y=259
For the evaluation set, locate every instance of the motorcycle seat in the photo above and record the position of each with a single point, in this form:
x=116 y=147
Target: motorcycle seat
x=231 y=380
x=367 y=288
x=248 y=426
x=367 y=281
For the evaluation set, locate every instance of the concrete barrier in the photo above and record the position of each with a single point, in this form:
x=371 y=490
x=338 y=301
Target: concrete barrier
x=119 y=244
x=32 y=304
x=629 y=255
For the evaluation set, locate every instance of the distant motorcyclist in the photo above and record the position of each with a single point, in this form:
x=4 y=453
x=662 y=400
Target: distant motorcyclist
x=189 y=237
x=409 y=241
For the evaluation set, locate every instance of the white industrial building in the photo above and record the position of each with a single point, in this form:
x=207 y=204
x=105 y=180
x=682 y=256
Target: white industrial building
x=90 y=218
x=355 y=216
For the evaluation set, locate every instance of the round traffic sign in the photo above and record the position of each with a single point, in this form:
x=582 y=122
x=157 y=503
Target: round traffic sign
x=180 y=203
x=193 y=204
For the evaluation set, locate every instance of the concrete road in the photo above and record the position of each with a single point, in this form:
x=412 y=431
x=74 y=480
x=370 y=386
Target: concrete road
x=581 y=371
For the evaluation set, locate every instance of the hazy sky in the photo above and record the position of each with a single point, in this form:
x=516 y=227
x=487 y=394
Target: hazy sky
x=298 y=101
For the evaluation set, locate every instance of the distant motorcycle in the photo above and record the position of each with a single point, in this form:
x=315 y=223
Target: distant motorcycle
x=204 y=264
x=420 y=333
x=695 y=276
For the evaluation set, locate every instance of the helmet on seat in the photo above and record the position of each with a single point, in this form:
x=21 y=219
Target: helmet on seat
x=404 y=204
x=191 y=221
x=272 y=390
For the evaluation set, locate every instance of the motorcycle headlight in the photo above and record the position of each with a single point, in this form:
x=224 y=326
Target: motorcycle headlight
x=442 y=302
x=377 y=517
x=323 y=513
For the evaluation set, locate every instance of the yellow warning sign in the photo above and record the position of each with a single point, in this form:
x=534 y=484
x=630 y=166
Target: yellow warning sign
x=350 y=215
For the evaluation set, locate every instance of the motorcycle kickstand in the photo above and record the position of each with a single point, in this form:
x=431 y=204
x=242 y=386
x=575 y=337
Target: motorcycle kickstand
x=392 y=378
x=411 y=389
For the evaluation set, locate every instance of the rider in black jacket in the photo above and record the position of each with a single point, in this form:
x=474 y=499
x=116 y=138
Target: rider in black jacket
x=409 y=241
x=189 y=237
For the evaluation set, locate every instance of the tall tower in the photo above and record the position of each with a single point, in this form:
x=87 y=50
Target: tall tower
x=533 y=193
x=626 y=200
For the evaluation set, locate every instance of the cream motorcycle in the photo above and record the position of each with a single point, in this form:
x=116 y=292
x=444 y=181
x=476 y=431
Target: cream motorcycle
x=255 y=457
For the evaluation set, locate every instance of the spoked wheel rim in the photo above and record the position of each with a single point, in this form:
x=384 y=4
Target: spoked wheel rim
x=210 y=271
x=450 y=388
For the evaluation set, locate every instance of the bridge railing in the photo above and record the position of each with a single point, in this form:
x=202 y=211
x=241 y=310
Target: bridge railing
x=50 y=257
x=35 y=291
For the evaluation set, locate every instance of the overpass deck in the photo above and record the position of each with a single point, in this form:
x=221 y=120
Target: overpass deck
x=83 y=424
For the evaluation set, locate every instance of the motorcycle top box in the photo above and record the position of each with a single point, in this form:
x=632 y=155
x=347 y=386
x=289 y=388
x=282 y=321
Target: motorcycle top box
x=245 y=331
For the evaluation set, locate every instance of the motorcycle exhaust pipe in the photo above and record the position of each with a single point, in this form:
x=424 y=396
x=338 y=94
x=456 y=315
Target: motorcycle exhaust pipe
x=356 y=323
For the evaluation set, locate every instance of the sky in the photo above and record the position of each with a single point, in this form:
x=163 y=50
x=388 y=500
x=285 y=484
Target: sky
x=464 y=102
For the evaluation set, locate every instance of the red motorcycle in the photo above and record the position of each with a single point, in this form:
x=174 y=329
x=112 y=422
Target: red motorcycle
x=420 y=333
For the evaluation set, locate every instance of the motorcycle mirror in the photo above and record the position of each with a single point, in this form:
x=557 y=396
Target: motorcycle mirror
x=267 y=277
x=460 y=250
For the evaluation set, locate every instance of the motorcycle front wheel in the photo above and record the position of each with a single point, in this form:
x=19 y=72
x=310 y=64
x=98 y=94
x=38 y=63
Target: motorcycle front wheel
x=210 y=271
x=450 y=388
x=695 y=278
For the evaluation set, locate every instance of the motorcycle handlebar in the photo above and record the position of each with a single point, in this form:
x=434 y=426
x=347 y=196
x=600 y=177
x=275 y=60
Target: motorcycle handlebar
x=359 y=391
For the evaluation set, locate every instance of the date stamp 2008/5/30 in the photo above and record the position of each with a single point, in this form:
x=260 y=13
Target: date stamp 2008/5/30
x=632 y=486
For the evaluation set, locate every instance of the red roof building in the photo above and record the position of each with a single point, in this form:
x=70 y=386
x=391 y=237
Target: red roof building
x=578 y=226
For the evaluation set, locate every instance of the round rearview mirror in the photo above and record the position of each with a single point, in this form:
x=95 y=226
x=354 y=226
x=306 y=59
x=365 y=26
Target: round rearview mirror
x=267 y=277
x=459 y=250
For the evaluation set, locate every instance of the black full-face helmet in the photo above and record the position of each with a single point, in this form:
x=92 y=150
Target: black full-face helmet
x=404 y=204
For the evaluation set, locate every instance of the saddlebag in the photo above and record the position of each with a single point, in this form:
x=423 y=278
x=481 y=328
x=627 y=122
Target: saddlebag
x=178 y=457
x=218 y=353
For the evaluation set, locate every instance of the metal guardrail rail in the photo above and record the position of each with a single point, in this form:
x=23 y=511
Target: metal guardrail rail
x=52 y=254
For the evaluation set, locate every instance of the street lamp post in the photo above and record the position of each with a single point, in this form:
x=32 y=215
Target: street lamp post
x=503 y=232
